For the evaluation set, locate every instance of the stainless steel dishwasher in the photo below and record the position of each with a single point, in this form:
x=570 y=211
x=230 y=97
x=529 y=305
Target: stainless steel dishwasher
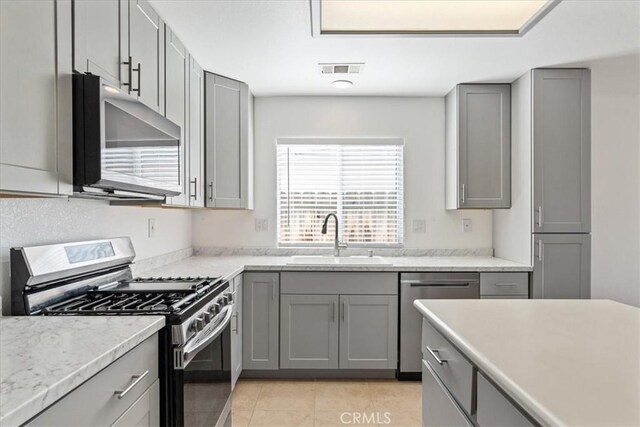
x=415 y=286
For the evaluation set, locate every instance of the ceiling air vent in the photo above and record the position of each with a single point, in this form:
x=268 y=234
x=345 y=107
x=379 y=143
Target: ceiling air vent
x=354 y=68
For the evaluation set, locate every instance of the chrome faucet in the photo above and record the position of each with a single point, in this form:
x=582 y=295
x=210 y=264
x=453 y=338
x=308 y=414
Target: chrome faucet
x=337 y=245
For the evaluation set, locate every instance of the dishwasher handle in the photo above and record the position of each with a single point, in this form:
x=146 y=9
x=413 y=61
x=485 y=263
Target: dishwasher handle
x=438 y=283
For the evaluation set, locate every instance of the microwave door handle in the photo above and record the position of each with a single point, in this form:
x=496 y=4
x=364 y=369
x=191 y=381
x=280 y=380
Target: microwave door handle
x=189 y=353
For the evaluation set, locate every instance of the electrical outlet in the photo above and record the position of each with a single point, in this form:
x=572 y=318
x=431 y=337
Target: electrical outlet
x=467 y=225
x=262 y=224
x=419 y=226
x=151 y=227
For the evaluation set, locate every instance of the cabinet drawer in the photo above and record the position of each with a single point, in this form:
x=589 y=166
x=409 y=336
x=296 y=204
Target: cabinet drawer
x=351 y=283
x=494 y=409
x=95 y=403
x=438 y=407
x=455 y=372
x=504 y=284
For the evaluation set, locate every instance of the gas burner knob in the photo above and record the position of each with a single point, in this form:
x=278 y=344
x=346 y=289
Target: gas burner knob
x=224 y=299
x=198 y=324
x=207 y=317
x=214 y=309
x=230 y=297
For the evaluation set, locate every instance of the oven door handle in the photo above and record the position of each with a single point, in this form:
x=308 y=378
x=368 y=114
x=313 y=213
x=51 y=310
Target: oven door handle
x=188 y=353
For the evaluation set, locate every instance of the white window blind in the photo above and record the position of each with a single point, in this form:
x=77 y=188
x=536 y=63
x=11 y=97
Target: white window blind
x=360 y=182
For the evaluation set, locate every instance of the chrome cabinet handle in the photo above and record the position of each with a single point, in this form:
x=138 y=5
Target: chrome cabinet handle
x=139 y=71
x=136 y=379
x=540 y=250
x=194 y=196
x=129 y=64
x=506 y=284
x=334 y=314
x=435 y=356
x=539 y=211
x=273 y=288
x=211 y=190
x=235 y=329
x=343 y=311
x=463 y=195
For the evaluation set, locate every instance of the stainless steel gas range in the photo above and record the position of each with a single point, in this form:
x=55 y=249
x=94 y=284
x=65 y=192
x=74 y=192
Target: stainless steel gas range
x=94 y=278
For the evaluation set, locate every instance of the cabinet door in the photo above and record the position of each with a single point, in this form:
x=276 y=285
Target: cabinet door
x=146 y=48
x=176 y=69
x=196 y=134
x=96 y=38
x=225 y=137
x=561 y=151
x=438 y=407
x=496 y=410
x=309 y=331
x=484 y=152
x=260 y=306
x=145 y=412
x=35 y=105
x=236 y=332
x=562 y=266
x=368 y=331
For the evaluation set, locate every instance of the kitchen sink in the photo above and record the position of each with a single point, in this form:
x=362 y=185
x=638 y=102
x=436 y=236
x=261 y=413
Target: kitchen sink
x=333 y=260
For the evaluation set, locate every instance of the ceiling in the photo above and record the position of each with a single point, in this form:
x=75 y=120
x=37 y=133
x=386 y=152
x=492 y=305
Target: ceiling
x=268 y=44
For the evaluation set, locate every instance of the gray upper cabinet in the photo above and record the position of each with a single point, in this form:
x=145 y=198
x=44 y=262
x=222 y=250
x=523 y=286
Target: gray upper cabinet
x=146 y=53
x=35 y=106
x=227 y=141
x=478 y=146
x=236 y=331
x=561 y=150
x=368 y=331
x=260 y=307
x=196 y=134
x=309 y=331
x=96 y=38
x=562 y=266
x=176 y=71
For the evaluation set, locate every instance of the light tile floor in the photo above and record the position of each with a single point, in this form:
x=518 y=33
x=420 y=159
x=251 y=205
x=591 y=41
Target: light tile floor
x=326 y=403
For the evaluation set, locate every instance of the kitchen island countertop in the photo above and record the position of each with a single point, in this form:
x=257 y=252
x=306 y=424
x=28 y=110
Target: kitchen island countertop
x=565 y=362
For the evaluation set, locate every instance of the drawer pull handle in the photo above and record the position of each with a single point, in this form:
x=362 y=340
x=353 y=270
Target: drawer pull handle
x=507 y=284
x=435 y=356
x=136 y=379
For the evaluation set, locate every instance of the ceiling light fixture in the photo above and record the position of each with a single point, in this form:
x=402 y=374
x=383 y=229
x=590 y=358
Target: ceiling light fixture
x=342 y=84
x=423 y=18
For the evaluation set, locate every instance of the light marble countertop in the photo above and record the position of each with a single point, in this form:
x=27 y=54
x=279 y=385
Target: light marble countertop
x=566 y=362
x=229 y=266
x=43 y=358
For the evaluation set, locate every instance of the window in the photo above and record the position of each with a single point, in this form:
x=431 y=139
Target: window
x=359 y=180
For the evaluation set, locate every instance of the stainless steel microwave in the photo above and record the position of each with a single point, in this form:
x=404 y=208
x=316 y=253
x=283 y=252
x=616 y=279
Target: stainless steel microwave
x=121 y=148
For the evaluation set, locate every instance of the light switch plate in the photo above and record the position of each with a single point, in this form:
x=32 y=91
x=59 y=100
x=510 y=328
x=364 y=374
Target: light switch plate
x=261 y=224
x=467 y=225
x=151 y=227
x=419 y=226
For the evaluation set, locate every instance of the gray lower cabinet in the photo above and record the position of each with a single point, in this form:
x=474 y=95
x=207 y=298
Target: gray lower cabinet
x=561 y=267
x=176 y=70
x=494 y=409
x=145 y=412
x=478 y=146
x=236 y=331
x=260 y=307
x=561 y=120
x=227 y=142
x=96 y=38
x=504 y=285
x=309 y=331
x=439 y=408
x=124 y=393
x=146 y=53
x=35 y=106
x=368 y=331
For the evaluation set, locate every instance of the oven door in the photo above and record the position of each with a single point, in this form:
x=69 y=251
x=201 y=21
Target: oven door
x=202 y=385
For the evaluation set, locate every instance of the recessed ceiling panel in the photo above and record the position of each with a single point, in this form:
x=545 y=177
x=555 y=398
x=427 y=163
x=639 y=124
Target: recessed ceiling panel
x=428 y=16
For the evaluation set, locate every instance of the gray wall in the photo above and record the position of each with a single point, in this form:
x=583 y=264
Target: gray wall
x=27 y=222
